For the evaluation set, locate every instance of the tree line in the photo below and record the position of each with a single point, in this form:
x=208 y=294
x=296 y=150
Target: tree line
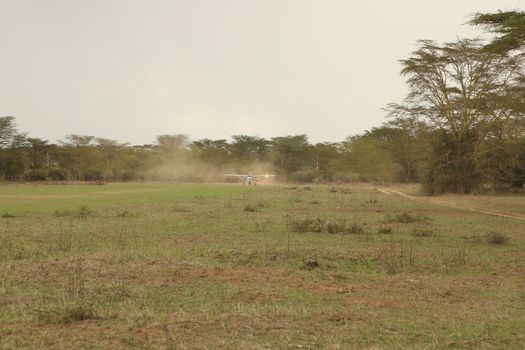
x=461 y=128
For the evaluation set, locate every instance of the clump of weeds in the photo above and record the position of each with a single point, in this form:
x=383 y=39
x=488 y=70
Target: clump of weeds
x=81 y=212
x=311 y=263
x=124 y=213
x=253 y=208
x=84 y=212
x=372 y=203
x=340 y=190
x=497 y=238
x=307 y=225
x=405 y=218
x=8 y=215
x=72 y=311
x=322 y=225
x=423 y=232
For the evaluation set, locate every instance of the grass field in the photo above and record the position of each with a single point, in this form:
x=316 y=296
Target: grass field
x=205 y=266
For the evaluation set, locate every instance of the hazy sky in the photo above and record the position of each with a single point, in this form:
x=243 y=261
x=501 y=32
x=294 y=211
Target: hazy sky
x=133 y=69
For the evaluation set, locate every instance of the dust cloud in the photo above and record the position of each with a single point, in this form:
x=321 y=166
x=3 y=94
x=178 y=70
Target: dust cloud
x=184 y=167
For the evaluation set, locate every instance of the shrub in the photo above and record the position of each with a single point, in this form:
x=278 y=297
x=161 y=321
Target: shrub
x=251 y=208
x=405 y=218
x=418 y=232
x=81 y=212
x=497 y=238
x=84 y=211
x=321 y=225
x=75 y=311
x=307 y=225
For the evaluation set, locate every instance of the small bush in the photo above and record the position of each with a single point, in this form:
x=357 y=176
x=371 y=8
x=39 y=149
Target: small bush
x=81 y=212
x=251 y=208
x=418 y=232
x=355 y=229
x=405 y=218
x=321 y=225
x=76 y=311
x=80 y=312
x=340 y=190
x=8 y=215
x=338 y=226
x=307 y=225
x=372 y=203
x=497 y=238
x=84 y=211
x=311 y=263
x=63 y=213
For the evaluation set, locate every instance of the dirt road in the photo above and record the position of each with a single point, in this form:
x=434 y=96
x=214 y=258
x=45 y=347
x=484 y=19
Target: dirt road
x=393 y=192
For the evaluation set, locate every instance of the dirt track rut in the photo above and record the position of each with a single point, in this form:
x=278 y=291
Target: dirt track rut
x=390 y=192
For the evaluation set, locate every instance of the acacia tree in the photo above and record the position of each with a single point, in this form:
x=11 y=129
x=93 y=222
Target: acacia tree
x=508 y=141
x=292 y=157
x=12 y=153
x=211 y=151
x=462 y=92
x=246 y=149
x=509 y=28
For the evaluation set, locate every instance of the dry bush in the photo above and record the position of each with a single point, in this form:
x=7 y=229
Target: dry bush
x=322 y=225
x=405 y=218
x=497 y=238
x=81 y=212
x=423 y=232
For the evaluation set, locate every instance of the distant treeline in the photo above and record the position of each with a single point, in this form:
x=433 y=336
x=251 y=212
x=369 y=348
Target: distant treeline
x=460 y=129
x=378 y=155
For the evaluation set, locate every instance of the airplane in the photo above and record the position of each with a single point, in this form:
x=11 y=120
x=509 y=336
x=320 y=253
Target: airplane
x=250 y=179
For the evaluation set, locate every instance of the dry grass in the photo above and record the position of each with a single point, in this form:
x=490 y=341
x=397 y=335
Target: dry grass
x=162 y=270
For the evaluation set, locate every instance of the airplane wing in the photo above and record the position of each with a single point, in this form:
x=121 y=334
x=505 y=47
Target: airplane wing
x=237 y=175
x=265 y=175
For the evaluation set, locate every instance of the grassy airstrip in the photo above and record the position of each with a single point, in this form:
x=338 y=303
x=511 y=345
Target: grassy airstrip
x=179 y=266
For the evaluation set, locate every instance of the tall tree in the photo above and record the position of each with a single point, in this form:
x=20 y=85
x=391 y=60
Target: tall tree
x=247 y=149
x=292 y=154
x=13 y=157
x=463 y=91
x=509 y=28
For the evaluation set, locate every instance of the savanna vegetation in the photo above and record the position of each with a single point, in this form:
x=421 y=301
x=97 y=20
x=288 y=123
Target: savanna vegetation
x=169 y=265
x=224 y=266
x=460 y=129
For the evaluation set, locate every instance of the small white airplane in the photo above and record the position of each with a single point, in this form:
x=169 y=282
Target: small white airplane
x=250 y=179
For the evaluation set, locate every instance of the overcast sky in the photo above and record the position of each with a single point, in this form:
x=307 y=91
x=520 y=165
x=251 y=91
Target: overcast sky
x=133 y=69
